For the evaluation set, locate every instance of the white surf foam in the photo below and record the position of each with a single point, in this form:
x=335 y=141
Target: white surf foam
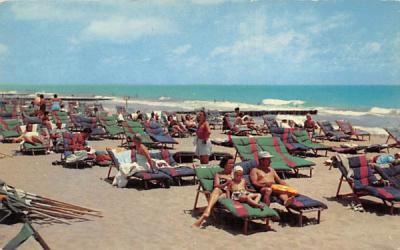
x=280 y=102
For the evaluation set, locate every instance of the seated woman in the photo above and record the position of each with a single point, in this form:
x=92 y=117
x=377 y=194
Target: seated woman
x=221 y=180
x=142 y=150
x=237 y=190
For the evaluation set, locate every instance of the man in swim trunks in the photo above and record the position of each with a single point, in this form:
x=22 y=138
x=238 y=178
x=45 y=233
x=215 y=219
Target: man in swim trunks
x=264 y=176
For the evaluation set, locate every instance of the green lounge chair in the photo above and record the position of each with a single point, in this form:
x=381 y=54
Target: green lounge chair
x=205 y=175
x=302 y=137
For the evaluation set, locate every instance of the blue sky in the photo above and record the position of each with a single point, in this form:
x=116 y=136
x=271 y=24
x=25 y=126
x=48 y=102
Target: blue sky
x=200 y=42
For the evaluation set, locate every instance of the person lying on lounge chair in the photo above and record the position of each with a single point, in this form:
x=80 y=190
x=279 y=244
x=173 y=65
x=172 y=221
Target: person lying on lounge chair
x=221 y=181
x=175 y=127
x=387 y=159
x=263 y=177
x=29 y=136
x=237 y=190
x=190 y=122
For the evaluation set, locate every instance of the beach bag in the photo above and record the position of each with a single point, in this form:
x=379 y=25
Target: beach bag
x=284 y=189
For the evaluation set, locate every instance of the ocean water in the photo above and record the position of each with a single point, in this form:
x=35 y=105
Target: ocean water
x=352 y=97
x=372 y=106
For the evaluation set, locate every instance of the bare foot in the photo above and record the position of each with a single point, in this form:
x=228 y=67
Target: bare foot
x=289 y=201
x=200 y=220
x=261 y=206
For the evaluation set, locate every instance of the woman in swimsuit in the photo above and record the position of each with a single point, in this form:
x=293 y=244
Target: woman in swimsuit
x=221 y=180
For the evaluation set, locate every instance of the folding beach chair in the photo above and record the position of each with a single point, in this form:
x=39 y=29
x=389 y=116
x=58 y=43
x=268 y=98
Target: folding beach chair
x=394 y=133
x=302 y=204
x=275 y=146
x=302 y=137
x=9 y=129
x=290 y=142
x=146 y=175
x=348 y=129
x=228 y=126
x=131 y=128
x=177 y=172
x=390 y=174
x=205 y=175
x=330 y=133
x=359 y=175
x=158 y=134
x=270 y=121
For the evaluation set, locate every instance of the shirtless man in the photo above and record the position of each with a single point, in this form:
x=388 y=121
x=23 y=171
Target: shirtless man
x=264 y=176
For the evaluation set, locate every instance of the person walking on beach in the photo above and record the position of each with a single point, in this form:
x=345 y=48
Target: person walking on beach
x=203 y=143
x=42 y=105
x=56 y=103
x=309 y=125
x=221 y=181
x=263 y=177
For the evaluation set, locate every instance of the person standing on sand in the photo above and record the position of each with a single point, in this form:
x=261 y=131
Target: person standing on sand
x=309 y=125
x=221 y=181
x=263 y=176
x=203 y=143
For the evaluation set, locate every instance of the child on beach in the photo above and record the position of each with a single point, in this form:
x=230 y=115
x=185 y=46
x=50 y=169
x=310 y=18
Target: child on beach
x=237 y=190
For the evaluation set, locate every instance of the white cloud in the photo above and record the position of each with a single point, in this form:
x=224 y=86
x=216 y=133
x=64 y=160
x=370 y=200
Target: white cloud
x=48 y=10
x=182 y=49
x=257 y=44
x=254 y=25
x=330 y=23
x=3 y=49
x=122 y=29
x=371 y=48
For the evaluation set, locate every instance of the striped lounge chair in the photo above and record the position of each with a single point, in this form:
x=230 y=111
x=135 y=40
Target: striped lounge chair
x=205 y=175
x=362 y=181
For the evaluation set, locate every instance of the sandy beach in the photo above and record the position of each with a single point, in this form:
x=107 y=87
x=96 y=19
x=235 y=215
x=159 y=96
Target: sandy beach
x=161 y=218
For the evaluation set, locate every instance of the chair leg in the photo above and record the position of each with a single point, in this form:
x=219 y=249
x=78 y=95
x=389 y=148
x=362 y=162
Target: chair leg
x=301 y=219
x=197 y=198
x=340 y=185
x=246 y=226
x=319 y=216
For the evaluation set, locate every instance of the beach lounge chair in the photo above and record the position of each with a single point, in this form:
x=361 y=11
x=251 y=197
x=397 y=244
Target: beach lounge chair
x=247 y=149
x=270 y=121
x=302 y=204
x=28 y=148
x=229 y=126
x=330 y=133
x=70 y=157
x=111 y=126
x=146 y=175
x=174 y=170
x=205 y=175
x=302 y=137
x=290 y=142
x=390 y=174
x=275 y=146
x=359 y=175
x=9 y=129
x=131 y=128
x=394 y=133
x=348 y=129
x=158 y=134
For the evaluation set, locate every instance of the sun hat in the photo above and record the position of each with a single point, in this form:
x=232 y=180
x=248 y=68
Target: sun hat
x=264 y=154
x=237 y=168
